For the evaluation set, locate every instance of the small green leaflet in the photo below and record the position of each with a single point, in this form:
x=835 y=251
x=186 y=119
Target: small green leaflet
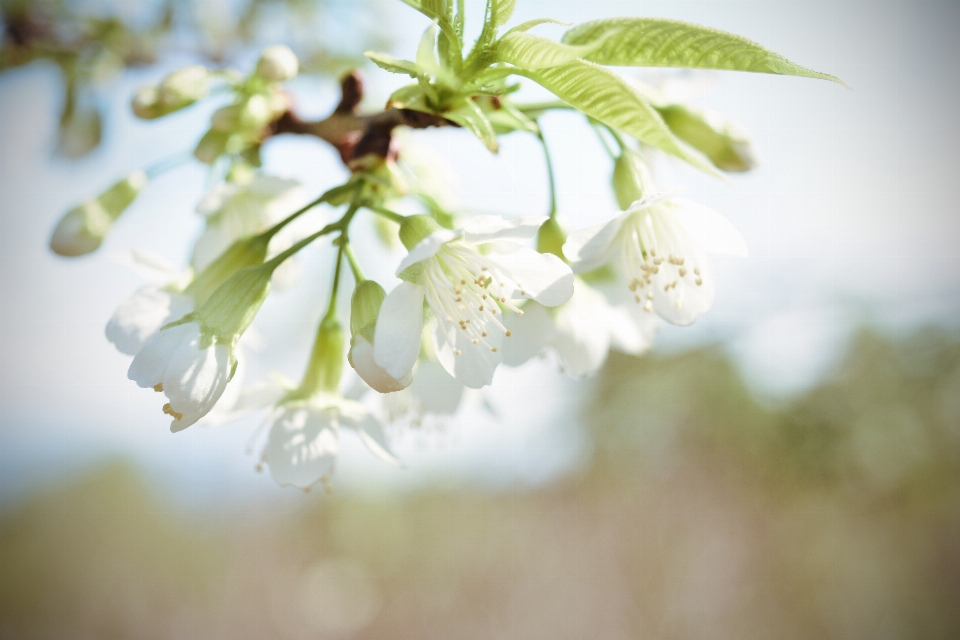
x=393 y=65
x=501 y=11
x=652 y=42
x=535 y=52
x=604 y=96
x=471 y=117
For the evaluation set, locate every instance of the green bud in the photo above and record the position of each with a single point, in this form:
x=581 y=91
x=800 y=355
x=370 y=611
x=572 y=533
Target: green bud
x=416 y=228
x=365 y=308
x=178 y=90
x=243 y=253
x=551 y=237
x=212 y=145
x=228 y=312
x=724 y=143
x=632 y=179
x=252 y=113
x=326 y=360
x=82 y=229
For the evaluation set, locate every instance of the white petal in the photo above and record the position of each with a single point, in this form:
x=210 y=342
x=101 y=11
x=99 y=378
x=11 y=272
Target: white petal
x=435 y=390
x=150 y=364
x=399 y=326
x=488 y=228
x=141 y=315
x=541 y=276
x=216 y=197
x=529 y=333
x=195 y=379
x=303 y=445
x=214 y=240
x=427 y=248
x=632 y=329
x=686 y=302
x=591 y=247
x=583 y=331
x=709 y=229
x=362 y=360
x=476 y=363
x=356 y=416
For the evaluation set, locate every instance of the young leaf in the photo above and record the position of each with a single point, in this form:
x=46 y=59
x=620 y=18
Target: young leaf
x=471 y=117
x=530 y=24
x=653 y=42
x=393 y=65
x=534 y=52
x=604 y=96
x=501 y=11
x=442 y=12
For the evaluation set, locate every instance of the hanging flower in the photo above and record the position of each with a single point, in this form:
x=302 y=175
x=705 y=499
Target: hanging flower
x=304 y=439
x=659 y=245
x=468 y=279
x=581 y=332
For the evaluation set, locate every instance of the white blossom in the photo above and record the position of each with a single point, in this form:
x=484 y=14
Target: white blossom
x=468 y=279
x=580 y=332
x=659 y=246
x=193 y=374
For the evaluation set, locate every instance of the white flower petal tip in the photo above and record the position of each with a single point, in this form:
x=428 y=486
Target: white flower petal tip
x=363 y=362
x=427 y=248
x=710 y=230
x=192 y=378
x=489 y=228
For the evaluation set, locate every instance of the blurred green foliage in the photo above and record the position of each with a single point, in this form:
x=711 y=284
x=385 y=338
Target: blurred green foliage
x=703 y=513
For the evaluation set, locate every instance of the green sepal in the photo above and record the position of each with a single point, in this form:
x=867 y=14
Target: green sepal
x=365 y=306
x=246 y=252
x=228 y=312
x=415 y=228
x=632 y=179
x=550 y=238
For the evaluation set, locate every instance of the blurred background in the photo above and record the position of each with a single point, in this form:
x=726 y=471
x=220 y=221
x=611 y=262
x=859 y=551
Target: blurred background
x=787 y=467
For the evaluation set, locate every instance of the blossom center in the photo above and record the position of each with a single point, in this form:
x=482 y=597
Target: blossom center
x=657 y=253
x=465 y=288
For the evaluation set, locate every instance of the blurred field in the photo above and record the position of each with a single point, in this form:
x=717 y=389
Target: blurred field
x=704 y=513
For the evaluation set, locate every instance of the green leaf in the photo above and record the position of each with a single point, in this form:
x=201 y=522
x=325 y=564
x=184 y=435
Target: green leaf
x=652 y=42
x=501 y=11
x=606 y=97
x=470 y=116
x=530 y=24
x=442 y=12
x=728 y=147
x=393 y=65
x=506 y=118
x=535 y=52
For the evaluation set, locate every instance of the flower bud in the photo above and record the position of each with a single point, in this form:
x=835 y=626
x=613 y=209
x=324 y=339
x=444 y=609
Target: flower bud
x=144 y=103
x=81 y=230
x=277 y=63
x=364 y=310
x=551 y=237
x=724 y=143
x=183 y=87
x=252 y=113
x=416 y=228
x=632 y=179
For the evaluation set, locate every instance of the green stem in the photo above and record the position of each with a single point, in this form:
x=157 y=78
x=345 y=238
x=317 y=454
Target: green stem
x=603 y=141
x=550 y=174
x=164 y=165
x=386 y=213
x=332 y=306
x=532 y=107
x=327 y=195
x=340 y=225
x=616 y=136
x=352 y=260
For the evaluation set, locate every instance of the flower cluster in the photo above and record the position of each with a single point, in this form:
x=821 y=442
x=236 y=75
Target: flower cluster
x=471 y=293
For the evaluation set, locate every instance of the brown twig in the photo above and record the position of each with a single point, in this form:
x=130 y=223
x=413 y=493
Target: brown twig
x=357 y=136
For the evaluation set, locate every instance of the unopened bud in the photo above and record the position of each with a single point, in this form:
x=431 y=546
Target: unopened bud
x=724 y=143
x=82 y=229
x=632 y=179
x=551 y=237
x=416 y=228
x=277 y=63
x=252 y=113
x=144 y=103
x=184 y=87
